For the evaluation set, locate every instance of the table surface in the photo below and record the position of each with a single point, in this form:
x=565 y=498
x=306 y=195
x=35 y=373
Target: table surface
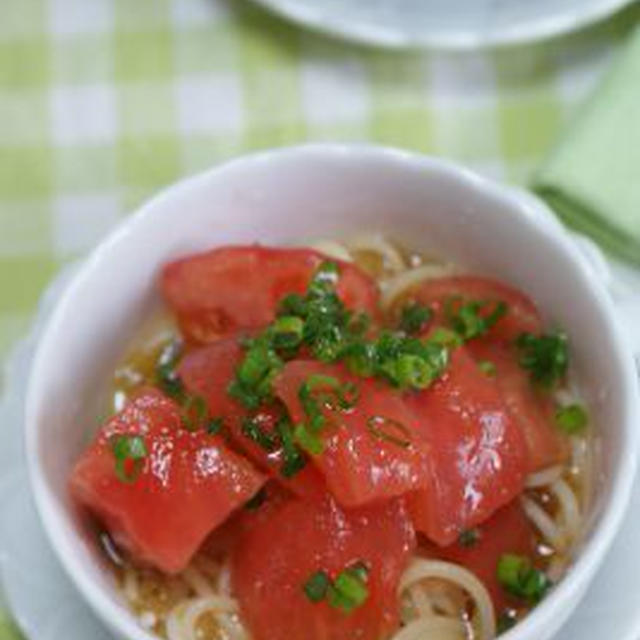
x=103 y=102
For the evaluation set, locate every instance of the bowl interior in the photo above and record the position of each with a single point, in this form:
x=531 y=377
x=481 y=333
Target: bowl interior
x=293 y=198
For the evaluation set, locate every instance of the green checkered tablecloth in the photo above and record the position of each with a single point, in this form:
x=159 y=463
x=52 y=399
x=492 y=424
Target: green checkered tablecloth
x=104 y=101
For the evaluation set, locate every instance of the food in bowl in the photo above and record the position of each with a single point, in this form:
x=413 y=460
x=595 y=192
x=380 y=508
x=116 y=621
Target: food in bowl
x=348 y=441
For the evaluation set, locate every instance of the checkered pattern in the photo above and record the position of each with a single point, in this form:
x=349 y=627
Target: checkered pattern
x=104 y=101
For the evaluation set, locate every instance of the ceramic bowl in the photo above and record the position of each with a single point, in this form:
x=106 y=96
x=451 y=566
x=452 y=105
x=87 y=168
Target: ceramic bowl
x=293 y=196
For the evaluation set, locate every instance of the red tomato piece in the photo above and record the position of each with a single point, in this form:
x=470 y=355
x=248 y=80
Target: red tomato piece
x=188 y=483
x=478 y=454
x=532 y=409
x=218 y=292
x=522 y=315
x=359 y=465
x=207 y=372
x=507 y=531
x=287 y=545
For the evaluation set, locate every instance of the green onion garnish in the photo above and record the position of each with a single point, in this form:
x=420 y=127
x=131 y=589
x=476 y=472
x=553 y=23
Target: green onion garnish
x=347 y=592
x=414 y=318
x=194 y=412
x=506 y=620
x=129 y=452
x=488 y=368
x=293 y=459
x=389 y=430
x=545 y=357
x=521 y=579
x=287 y=332
x=316 y=586
x=256 y=501
x=469 y=537
x=474 y=318
x=310 y=442
x=166 y=377
x=572 y=419
x=252 y=430
x=215 y=426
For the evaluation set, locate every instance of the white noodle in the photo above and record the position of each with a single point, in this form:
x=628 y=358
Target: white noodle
x=224 y=580
x=391 y=258
x=546 y=476
x=544 y=523
x=393 y=287
x=568 y=507
x=433 y=628
x=198 y=582
x=130 y=586
x=333 y=249
x=421 y=569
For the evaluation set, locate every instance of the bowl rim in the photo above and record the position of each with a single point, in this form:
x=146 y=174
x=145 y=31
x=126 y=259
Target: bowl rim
x=532 y=213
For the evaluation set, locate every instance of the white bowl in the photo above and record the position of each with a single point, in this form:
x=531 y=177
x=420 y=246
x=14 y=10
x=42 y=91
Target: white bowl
x=293 y=196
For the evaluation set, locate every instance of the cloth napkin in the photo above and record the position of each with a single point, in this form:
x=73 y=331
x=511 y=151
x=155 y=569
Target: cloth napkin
x=592 y=178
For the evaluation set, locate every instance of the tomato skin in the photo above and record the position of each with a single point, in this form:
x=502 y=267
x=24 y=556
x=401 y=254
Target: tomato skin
x=507 y=531
x=478 y=454
x=522 y=314
x=207 y=371
x=189 y=483
x=358 y=466
x=533 y=409
x=218 y=292
x=284 y=547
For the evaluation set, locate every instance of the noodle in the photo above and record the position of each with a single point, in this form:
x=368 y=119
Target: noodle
x=398 y=285
x=544 y=477
x=544 y=523
x=333 y=249
x=569 y=509
x=391 y=258
x=421 y=570
x=434 y=628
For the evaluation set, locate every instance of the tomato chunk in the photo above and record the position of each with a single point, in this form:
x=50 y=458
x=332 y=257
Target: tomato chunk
x=371 y=450
x=521 y=316
x=282 y=550
x=507 y=531
x=478 y=454
x=207 y=371
x=218 y=292
x=187 y=485
x=532 y=409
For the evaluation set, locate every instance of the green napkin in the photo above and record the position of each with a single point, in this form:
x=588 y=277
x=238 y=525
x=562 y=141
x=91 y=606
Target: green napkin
x=592 y=178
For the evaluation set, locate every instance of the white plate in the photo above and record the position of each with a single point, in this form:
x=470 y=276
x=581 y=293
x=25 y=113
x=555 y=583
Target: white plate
x=47 y=607
x=451 y=24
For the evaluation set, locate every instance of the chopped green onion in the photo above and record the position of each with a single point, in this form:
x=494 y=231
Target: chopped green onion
x=194 y=412
x=414 y=318
x=310 y=442
x=389 y=430
x=474 y=318
x=294 y=460
x=572 y=419
x=349 y=590
x=445 y=337
x=316 y=586
x=166 y=377
x=251 y=429
x=287 y=332
x=469 y=537
x=545 y=357
x=256 y=501
x=215 y=426
x=129 y=451
x=506 y=620
x=521 y=579
x=488 y=368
